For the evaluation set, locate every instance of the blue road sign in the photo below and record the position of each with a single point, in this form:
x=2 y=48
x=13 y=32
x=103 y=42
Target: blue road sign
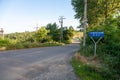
x=96 y=34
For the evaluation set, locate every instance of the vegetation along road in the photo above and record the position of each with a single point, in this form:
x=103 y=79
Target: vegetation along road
x=48 y=63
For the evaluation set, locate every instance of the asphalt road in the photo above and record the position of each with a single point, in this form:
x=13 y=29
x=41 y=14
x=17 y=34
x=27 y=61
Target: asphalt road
x=48 y=63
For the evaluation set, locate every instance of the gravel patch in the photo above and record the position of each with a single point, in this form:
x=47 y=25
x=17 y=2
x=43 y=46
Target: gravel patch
x=52 y=69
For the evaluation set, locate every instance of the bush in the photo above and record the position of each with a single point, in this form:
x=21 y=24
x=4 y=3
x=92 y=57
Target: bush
x=85 y=71
x=51 y=44
x=108 y=49
x=4 y=43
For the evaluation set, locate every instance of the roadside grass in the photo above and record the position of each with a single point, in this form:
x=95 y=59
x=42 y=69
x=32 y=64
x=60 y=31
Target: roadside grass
x=108 y=58
x=31 y=45
x=91 y=68
x=8 y=44
x=51 y=44
x=85 y=71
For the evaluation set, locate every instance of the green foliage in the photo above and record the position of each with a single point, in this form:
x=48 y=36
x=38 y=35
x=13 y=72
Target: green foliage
x=86 y=72
x=51 y=44
x=41 y=34
x=21 y=37
x=90 y=72
x=28 y=40
x=68 y=35
x=108 y=49
x=45 y=36
x=56 y=35
x=103 y=15
x=52 y=28
x=97 y=11
x=54 y=31
x=4 y=42
x=88 y=50
x=32 y=45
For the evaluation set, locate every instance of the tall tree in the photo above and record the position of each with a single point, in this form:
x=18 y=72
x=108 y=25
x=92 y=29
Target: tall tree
x=98 y=10
x=68 y=34
x=52 y=28
x=54 y=32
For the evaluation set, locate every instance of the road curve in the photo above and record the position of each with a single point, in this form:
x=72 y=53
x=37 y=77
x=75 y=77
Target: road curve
x=48 y=63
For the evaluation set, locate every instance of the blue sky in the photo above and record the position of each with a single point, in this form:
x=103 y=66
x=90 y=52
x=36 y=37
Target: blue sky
x=23 y=15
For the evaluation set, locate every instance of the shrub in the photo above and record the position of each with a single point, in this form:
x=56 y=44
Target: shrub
x=108 y=49
x=4 y=43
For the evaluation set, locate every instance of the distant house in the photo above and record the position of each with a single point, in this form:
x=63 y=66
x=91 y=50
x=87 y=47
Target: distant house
x=78 y=35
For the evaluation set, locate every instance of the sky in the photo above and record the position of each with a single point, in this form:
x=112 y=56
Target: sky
x=24 y=15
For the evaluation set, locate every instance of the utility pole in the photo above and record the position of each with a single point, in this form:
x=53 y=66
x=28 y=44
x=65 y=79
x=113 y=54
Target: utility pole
x=2 y=31
x=85 y=22
x=61 y=24
x=36 y=28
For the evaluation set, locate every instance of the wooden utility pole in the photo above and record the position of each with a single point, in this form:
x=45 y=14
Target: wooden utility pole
x=61 y=24
x=85 y=22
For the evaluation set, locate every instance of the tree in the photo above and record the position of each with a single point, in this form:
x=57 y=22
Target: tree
x=52 y=28
x=71 y=28
x=41 y=34
x=54 y=32
x=68 y=34
x=56 y=35
x=21 y=37
x=98 y=10
x=104 y=15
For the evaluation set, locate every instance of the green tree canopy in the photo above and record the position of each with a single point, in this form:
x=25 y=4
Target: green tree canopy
x=41 y=34
x=54 y=31
x=97 y=10
x=68 y=34
x=21 y=37
x=52 y=27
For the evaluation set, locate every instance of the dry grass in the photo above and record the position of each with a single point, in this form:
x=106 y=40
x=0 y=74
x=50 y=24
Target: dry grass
x=85 y=67
x=2 y=48
x=87 y=60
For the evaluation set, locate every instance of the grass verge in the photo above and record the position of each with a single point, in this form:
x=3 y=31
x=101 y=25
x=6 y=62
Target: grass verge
x=87 y=68
x=32 y=45
x=85 y=71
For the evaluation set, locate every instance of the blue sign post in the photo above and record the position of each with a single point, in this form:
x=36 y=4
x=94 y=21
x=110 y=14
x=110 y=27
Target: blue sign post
x=93 y=35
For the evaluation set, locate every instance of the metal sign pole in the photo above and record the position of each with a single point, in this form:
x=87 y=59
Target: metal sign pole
x=95 y=44
x=95 y=49
x=99 y=35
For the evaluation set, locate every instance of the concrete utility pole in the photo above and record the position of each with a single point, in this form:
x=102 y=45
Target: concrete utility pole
x=85 y=22
x=61 y=24
x=2 y=31
x=36 y=28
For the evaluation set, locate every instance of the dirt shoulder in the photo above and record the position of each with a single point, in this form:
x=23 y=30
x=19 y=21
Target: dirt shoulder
x=55 y=68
